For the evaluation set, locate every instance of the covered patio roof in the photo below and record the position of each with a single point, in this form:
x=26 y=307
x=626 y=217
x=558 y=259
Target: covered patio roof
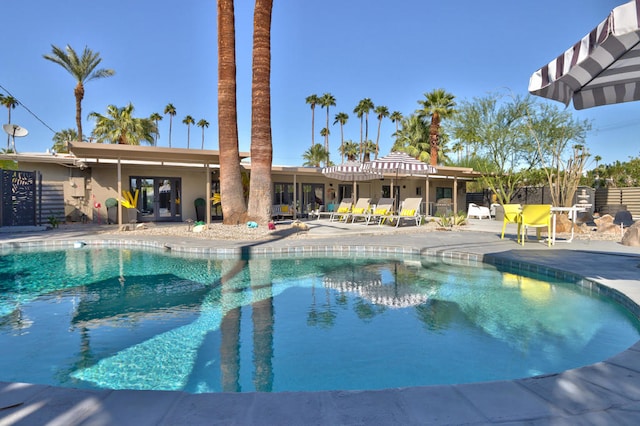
x=100 y=151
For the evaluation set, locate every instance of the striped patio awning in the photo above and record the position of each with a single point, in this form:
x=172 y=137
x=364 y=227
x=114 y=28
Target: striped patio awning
x=400 y=162
x=601 y=69
x=350 y=171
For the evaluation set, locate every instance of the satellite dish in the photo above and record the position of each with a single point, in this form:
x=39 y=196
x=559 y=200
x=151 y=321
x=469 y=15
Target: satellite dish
x=14 y=130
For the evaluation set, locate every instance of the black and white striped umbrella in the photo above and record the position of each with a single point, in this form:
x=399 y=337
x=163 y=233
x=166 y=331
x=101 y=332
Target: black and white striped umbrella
x=397 y=162
x=351 y=171
x=601 y=69
x=400 y=162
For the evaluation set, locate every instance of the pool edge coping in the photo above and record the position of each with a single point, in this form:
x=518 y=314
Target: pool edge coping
x=447 y=255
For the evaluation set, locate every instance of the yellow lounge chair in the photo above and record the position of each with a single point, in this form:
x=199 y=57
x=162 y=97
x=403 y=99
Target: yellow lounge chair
x=536 y=216
x=343 y=208
x=410 y=210
x=382 y=209
x=512 y=214
x=360 y=208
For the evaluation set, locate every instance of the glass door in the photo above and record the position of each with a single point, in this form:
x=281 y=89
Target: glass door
x=159 y=199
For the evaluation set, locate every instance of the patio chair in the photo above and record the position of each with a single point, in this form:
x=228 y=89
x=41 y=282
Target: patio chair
x=382 y=210
x=343 y=208
x=536 y=216
x=360 y=208
x=410 y=210
x=478 y=211
x=512 y=214
x=281 y=211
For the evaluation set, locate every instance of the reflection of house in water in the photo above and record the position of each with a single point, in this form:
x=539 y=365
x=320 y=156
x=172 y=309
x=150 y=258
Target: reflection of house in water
x=110 y=300
x=369 y=284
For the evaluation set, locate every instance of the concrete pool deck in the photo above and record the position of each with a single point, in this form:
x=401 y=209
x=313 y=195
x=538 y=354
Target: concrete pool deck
x=605 y=393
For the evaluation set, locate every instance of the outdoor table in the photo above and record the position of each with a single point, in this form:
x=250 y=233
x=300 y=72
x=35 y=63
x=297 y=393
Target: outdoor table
x=572 y=212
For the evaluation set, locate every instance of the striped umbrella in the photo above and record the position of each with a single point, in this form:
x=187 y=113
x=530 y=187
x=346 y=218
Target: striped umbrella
x=601 y=69
x=351 y=171
x=400 y=162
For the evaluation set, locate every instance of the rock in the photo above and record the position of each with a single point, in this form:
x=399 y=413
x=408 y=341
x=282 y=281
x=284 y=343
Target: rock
x=606 y=226
x=141 y=226
x=199 y=228
x=563 y=224
x=631 y=236
x=300 y=225
x=607 y=218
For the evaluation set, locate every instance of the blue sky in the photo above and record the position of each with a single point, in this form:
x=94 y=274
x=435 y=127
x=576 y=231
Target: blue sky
x=392 y=52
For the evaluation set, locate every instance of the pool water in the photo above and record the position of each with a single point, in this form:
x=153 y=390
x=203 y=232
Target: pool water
x=147 y=319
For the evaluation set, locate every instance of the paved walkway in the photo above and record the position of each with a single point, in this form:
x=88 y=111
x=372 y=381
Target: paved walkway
x=604 y=393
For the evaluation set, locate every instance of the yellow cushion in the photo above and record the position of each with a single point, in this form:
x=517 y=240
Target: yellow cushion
x=381 y=211
x=284 y=209
x=358 y=210
x=407 y=212
x=343 y=210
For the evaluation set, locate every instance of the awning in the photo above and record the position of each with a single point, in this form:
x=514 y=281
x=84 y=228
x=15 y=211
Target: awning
x=601 y=69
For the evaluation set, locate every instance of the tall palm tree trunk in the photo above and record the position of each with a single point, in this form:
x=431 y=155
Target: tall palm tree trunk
x=231 y=191
x=434 y=130
x=79 y=93
x=261 y=145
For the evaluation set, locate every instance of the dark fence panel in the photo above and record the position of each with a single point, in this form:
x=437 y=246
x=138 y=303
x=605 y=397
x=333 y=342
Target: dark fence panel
x=18 y=206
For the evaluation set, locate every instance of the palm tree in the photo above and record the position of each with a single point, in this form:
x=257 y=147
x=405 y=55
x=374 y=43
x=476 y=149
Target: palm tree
x=83 y=69
x=350 y=150
x=188 y=120
x=396 y=117
x=315 y=156
x=413 y=137
x=171 y=110
x=156 y=117
x=232 y=200
x=438 y=105
x=381 y=112
x=359 y=112
x=62 y=138
x=327 y=100
x=202 y=123
x=363 y=108
x=313 y=101
x=597 y=159
x=260 y=195
x=367 y=148
x=324 y=132
x=342 y=118
x=11 y=103
x=119 y=126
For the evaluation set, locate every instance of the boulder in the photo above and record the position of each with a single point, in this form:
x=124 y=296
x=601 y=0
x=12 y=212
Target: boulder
x=300 y=225
x=605 y=225
x=631 y=236
x=563 y=224
x=199 y=228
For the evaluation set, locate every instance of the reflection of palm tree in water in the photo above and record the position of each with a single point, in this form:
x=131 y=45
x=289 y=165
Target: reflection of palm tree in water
x=262 y=316
x=262 y=319
x=326 y=317
x=230 y=335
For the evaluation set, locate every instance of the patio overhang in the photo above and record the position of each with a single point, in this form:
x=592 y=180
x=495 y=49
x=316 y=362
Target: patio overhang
x=94 y=152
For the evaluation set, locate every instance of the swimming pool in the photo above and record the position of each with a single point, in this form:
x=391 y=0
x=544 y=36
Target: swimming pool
x=136 y=319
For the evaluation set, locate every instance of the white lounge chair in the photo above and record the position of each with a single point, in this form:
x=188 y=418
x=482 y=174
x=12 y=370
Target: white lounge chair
x=382 y=209
x=478 y=211
x=343 y=209
x=360 y=208
x=410 y=210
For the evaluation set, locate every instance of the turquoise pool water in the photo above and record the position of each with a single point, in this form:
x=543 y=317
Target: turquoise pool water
x=136 y=319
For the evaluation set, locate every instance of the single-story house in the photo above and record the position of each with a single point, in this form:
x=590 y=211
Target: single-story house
x=84 y=184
